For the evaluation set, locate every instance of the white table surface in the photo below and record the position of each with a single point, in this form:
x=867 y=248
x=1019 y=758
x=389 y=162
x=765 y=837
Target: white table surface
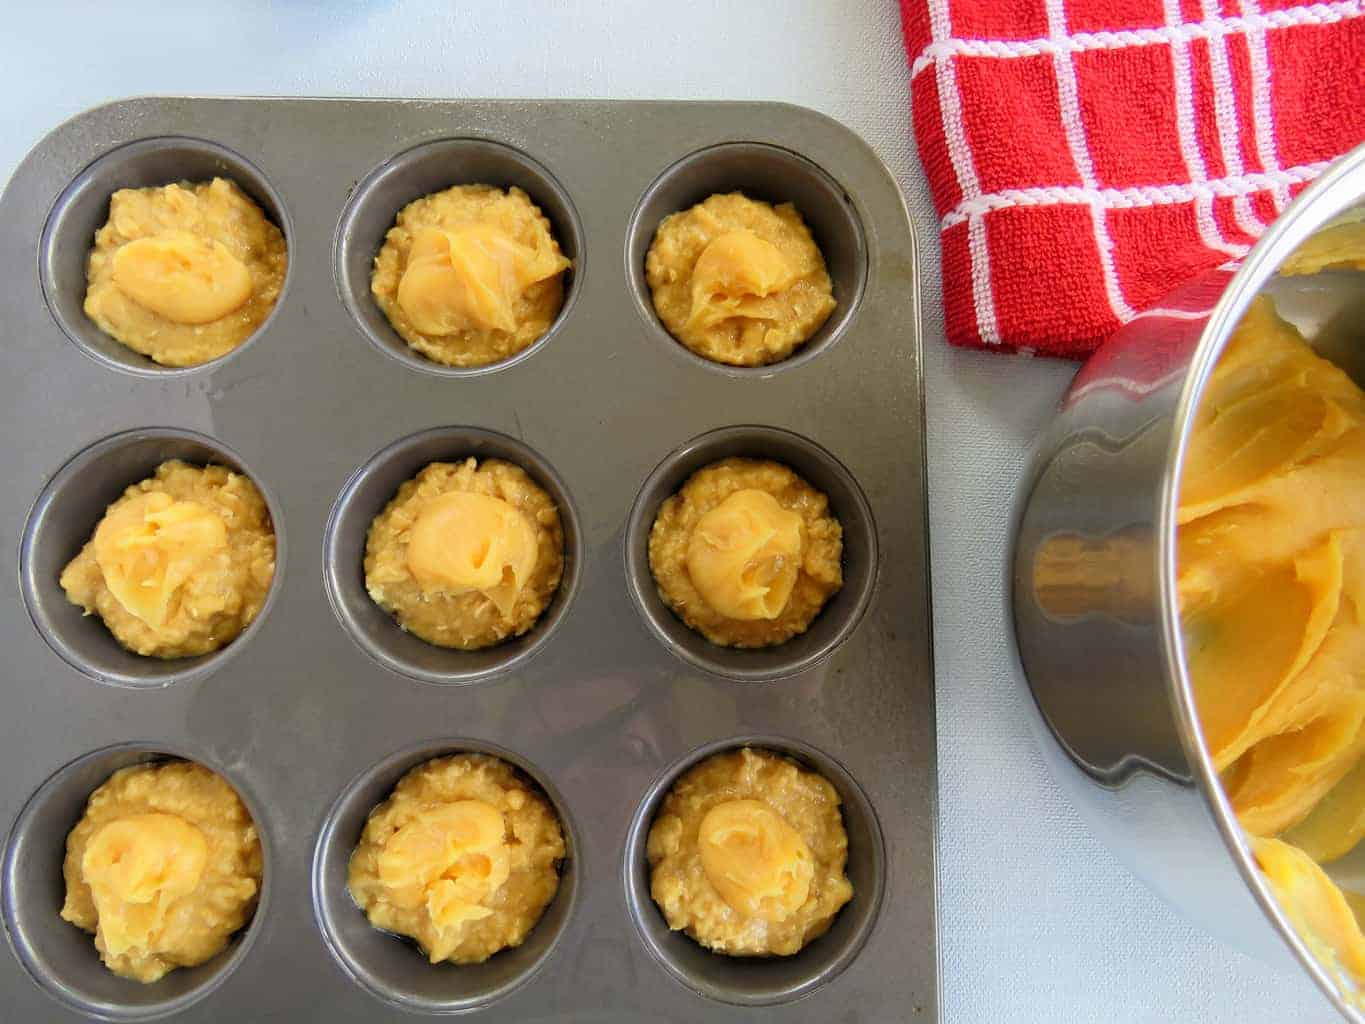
x=1037 y=920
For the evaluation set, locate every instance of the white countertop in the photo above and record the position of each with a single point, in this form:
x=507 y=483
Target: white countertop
x=1037 y=920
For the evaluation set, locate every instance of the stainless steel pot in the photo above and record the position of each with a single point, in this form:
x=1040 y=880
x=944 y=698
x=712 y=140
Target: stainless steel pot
x=1095 y=612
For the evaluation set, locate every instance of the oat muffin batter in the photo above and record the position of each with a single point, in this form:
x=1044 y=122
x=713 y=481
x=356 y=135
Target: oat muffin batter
x=747 y=854
x=746 y=553
x=180 y=564
x=164 y=867
x=184 y=273
x=739 y=281
x=466 y=554
x=463 y=857
x=470 y=276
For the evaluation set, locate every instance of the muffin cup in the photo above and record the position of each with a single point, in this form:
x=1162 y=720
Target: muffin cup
x=83 y=207
x=62 y=958
x=63 y=519
x=761 y=981
x=366 y=494
x=393 y=968
x=841 y=613
x=773 y=175
x=420 y=171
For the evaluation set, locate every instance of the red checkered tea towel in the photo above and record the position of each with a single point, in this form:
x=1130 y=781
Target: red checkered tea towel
x=1087 y=156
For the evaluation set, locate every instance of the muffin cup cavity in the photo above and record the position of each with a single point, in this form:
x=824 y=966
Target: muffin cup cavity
x=847 y=503
x=420 y=171
x=393 y=968
x=773 y=175
x=761 y=981
x=366 y=494
x=62 y=958
x=83 y=207
x=65 y=516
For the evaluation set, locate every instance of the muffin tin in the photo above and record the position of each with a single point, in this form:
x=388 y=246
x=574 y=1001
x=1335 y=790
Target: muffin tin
x=316 y=710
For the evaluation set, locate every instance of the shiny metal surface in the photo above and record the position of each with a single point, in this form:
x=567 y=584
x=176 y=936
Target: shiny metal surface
x=309 y=725
x=1093 y=578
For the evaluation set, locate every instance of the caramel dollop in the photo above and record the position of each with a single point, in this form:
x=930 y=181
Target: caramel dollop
x=744 y=555
x=464 y=541
x=183 y=277
x=450 y=859
x=758 y=863
x=150 y=546
x=137 y=867
x=469 y=278
x=735 y=269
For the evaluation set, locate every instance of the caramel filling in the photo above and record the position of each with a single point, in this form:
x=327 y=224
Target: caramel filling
x=470 y=279
x=464 y=542
x=182 y=277
x=137 y=867
x=758 y=863
x=451 y=859
x=744 y=555
x=148 y=548
x=733 y=274
x=1315 y=907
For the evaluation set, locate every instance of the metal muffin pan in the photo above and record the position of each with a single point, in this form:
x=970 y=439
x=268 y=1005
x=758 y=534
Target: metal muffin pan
x=313 y=715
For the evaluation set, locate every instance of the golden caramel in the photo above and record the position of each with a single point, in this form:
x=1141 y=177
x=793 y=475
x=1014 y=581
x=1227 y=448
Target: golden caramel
x=1271 y=582
x=1318 y=912
x=449 y=860
x=736 y=269
x=187 y=279
x=137 y=867
x=758 y=863
x=1339 y=246
x=150 y=546
x=465 y=542
x=744 y=555
x=468 y=279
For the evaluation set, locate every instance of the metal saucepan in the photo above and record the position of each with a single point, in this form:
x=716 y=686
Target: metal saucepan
x=1095 y=611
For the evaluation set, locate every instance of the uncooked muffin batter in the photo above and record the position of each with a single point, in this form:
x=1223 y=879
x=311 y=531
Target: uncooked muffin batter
x=184 y=273
x=164 y=866
x=747 y=854
x=466 y=554
x=470 y=276
x=180 y=564
x=463 y=857
x=746 y=553
x=739 y=281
